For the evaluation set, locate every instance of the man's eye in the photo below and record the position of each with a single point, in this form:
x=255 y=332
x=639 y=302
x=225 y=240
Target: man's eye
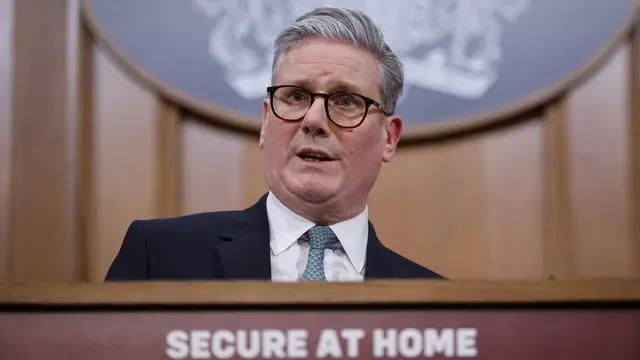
x=344 y=101
x=298 y=96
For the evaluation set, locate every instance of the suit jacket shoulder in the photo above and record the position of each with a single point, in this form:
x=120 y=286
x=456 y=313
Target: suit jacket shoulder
x=171 y=248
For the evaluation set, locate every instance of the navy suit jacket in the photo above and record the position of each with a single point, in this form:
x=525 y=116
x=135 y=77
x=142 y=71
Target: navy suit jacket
x=226 y=245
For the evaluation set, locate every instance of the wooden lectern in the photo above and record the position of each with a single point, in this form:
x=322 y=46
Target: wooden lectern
x=373 y=320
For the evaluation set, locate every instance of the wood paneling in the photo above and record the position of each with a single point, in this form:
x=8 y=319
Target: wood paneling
x=168 y=194
x=599 y=173
x=124 y=159
x=212 y=170
x=41 y=225
x=513 y=201
x=446 y=206
x=633 y=99
x=428 y=205
x=254 y=182
x=74 y=142
x=85 y=148
x=557 y=241
x=6 y=74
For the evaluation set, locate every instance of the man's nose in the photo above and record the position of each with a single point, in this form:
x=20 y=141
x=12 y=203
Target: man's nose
x=315 y=122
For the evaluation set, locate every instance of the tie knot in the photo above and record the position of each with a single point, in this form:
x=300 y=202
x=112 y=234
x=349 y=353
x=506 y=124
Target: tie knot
x=321 y=237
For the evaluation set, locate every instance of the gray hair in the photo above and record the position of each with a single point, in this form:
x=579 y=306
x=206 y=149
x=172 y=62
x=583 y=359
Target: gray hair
x=349 y=27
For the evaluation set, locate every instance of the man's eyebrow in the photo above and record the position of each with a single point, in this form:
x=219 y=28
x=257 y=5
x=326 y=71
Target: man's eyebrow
x=305 y=83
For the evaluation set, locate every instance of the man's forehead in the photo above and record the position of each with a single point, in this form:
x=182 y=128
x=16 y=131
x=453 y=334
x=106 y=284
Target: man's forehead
x=350 y=69
x=326 y=50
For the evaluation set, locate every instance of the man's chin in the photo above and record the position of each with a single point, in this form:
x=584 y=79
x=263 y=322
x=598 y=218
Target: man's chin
x=314 y=192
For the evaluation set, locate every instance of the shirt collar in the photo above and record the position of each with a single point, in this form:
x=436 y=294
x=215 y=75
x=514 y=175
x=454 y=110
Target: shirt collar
x=286 y=227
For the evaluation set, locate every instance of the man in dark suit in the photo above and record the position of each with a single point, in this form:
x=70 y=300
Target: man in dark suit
x=328 y=125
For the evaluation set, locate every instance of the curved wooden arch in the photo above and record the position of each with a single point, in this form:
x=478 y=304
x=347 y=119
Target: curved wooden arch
x=447 y=127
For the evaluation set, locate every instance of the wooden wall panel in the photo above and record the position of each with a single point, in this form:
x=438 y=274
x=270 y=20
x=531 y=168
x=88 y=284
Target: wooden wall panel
x=6 y=86
x=558 y=236
x=168 y=195
x=514 y=163
x=85 y=200
x=446 y=205
x=634 y=140
x=74 y=144
x=124 y=158
x=212 y=168
x=429 y=205
x=599 y=173
x=254 y=183
x=41 y=227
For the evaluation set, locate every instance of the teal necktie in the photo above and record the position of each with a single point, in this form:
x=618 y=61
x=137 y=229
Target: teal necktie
x=320 y=239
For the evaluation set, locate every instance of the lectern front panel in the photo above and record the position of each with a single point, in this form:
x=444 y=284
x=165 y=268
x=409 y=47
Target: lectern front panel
x=307 y=332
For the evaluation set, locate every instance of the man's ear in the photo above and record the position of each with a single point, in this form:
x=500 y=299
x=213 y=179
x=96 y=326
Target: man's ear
x=265 y=118
x=393 y=131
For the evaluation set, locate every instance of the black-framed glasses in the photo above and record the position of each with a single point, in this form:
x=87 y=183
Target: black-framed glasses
x=345 y=109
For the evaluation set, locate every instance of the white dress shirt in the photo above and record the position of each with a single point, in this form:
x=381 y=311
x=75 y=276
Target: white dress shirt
x=289 y=255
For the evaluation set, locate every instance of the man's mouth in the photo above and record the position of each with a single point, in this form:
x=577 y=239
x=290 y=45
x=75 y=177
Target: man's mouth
x=313 y=156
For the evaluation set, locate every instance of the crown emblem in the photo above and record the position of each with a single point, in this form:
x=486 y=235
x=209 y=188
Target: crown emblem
x=449 y=46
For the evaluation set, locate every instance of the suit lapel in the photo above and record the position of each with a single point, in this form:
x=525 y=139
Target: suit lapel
x=244 y=251
x=375 y=264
